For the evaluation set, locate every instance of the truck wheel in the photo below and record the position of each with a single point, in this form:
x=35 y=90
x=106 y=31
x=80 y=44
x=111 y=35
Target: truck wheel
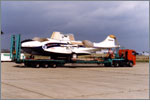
x=130 y=64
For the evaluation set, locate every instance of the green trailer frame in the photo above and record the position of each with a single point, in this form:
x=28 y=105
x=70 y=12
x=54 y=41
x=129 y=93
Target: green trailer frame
x=15 y=48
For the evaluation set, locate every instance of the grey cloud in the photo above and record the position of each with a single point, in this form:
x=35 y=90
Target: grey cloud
x=86 y=20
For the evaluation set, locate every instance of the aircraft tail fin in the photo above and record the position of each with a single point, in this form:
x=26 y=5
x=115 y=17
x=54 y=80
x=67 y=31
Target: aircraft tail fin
x=109 y=42
x=60 y=36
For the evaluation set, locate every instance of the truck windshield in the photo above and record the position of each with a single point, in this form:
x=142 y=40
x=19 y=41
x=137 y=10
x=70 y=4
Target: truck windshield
x=134 y=53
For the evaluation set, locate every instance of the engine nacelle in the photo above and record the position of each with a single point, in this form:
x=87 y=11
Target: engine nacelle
x=87 y=43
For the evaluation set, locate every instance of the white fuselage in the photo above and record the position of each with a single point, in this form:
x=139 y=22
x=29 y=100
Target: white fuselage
x=56 y=46
x=52 y=46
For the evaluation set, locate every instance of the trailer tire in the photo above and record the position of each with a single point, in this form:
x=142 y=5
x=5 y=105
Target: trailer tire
x=36 y=65
x=45 y=65
x=116 y=64
x=26 y=64
x=74 y=56
x=54 y=65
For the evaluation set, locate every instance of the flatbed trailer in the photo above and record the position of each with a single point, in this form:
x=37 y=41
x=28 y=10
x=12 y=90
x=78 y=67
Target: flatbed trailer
x=36 y=63
x=122 y=58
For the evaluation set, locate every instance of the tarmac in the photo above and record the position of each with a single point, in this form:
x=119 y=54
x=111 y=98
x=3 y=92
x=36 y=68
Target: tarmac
x=77 y=82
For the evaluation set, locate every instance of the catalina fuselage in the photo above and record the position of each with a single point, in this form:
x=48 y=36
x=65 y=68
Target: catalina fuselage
x=63 y=48
x=54 y=48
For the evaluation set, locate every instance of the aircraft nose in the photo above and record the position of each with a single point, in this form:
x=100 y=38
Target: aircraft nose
x=27 y=40
x=30 y=43
x=24 y=43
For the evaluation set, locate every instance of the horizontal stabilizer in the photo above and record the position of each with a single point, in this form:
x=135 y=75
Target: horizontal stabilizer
x=87 y=43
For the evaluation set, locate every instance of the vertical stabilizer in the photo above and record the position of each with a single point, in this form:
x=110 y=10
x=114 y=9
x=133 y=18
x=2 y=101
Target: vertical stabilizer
x=109 y=42
x=60 y=36
x=56 y=36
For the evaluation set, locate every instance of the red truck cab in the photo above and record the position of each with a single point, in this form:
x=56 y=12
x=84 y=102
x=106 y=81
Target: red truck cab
x=129 y=55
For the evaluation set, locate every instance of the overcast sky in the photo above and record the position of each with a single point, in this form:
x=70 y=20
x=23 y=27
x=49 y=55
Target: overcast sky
x=90 y=20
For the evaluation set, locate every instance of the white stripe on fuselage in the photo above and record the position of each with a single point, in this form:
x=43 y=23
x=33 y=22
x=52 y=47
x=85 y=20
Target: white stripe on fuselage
x=69 y=50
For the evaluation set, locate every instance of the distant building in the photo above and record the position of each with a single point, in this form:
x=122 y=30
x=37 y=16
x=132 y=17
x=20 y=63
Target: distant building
x=5 y=57
x=144 y=53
